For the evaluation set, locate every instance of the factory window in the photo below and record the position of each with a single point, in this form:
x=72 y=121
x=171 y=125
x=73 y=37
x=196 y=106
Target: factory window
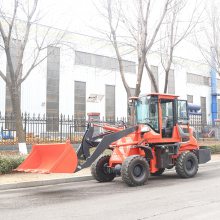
x=109 y=103
x=154 y=70
x=198 y=79
x=203 y=110
x=79 y=100
x=171 y=82
x=14 y=49
x=102 y=62
x=190 y=98
x=53 y=80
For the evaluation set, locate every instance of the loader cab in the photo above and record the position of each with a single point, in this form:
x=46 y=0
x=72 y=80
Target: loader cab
x=147 y=112
x=161 y=113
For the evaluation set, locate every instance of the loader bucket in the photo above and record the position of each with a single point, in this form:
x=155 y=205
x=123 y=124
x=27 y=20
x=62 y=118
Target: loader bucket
x=50 y=158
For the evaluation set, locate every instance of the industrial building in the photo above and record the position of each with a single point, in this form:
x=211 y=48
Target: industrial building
x=83 y=77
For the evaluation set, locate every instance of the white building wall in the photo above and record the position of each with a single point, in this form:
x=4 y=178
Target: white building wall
x=33 y=91
x=199 y=91
x=34 y=88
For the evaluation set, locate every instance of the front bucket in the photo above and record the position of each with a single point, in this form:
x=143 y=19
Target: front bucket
x=50 y=158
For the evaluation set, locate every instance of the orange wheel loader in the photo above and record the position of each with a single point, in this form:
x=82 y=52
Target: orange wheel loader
x=162 y=139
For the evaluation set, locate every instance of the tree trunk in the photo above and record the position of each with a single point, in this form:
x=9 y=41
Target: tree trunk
x=131 y=118
x=16 y=106
x=166 y=81
x=152 y=78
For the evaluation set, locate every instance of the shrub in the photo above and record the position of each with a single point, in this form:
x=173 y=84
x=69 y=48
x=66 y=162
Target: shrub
x=8 y=163
x=215 y=149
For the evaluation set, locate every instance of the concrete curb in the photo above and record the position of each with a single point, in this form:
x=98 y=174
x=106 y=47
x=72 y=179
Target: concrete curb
x=63 y=180
x=44 y=182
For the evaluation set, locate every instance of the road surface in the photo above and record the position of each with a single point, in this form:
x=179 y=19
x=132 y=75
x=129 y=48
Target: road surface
x=165 y=197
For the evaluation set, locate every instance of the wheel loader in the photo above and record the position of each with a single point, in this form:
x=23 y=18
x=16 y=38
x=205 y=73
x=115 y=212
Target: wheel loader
x=161 y=139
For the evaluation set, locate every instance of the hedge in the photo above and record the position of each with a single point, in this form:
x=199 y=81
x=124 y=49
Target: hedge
x=9 y=162
x=215 y=149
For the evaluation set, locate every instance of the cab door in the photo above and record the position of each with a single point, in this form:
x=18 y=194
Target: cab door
x=182 y=112
x=168 y=122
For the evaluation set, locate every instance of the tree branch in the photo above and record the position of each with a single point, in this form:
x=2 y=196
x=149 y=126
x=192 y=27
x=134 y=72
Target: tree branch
x=158 y=26
x=26 y=35
x=34 y=64
x=12 y=21
x=151 y=75
x=4 y=37
x=115 y=45
x=3 y=76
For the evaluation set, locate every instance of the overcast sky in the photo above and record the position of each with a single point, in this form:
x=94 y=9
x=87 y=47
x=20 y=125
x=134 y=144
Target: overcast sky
x=77 y=15
x=80 y=16
x=74 y=15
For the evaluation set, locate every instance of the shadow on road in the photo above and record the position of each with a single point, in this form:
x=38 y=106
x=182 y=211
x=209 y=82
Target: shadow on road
x=91 y=190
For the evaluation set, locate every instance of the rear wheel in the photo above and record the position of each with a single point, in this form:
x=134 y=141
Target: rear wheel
x=159 y=172
x=100 y=170
x=187 y=165
x=135 y=171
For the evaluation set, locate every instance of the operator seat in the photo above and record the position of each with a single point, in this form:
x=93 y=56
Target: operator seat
x=167 y=129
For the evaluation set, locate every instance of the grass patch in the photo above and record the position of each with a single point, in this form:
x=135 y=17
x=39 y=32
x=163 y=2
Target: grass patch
x=215 y=149
x=9 y=162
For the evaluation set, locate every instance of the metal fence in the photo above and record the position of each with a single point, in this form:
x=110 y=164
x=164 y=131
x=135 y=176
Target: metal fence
x=41 y=129
x=201 y=129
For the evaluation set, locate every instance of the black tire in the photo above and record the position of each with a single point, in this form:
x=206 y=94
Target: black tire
x=135 y=171
x=159 y=172
x=99 y=169
x=187 y=165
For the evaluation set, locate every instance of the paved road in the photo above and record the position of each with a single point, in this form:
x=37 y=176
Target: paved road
x=166 y=197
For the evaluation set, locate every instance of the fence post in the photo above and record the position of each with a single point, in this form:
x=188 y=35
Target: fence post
x=25 y=124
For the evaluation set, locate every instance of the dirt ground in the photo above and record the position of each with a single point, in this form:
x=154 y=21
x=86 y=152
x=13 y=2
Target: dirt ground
x=17 y=177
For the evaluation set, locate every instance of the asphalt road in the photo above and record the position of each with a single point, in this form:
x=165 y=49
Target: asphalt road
x=165 y=197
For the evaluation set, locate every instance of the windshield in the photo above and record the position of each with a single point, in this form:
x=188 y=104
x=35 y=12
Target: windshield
x=147 y=112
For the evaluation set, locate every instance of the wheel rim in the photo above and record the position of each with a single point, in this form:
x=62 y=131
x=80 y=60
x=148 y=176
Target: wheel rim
x=105 y=168
x=138 y=170
x=189 y=164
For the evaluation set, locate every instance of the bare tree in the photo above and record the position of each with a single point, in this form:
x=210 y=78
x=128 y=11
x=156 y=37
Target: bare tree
x=178 y=25
x=12 y=29
x=208 y=38
x=143 y=36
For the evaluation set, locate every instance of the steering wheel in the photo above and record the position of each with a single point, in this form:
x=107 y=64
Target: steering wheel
x=150 y=122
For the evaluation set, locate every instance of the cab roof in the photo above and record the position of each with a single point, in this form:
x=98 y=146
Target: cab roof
x=162 y=96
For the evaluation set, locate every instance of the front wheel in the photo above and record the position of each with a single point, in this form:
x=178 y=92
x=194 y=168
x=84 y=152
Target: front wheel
x=135 y=171
x=100 y=170
x=187 y=165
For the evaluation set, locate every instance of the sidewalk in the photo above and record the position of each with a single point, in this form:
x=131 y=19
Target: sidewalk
x=215 y=157
x=22 y=180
